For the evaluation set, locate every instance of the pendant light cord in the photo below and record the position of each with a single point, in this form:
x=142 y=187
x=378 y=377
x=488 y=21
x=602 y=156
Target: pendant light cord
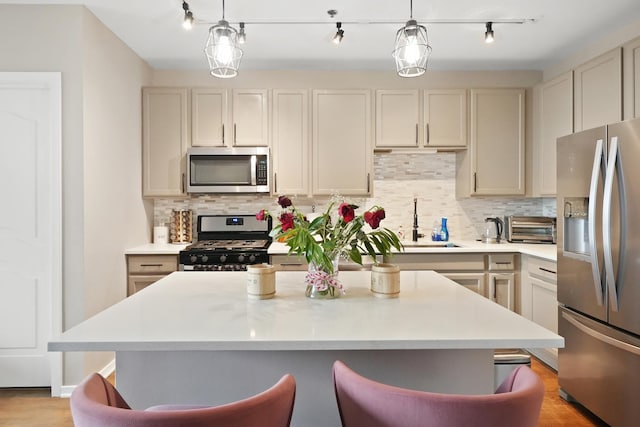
x=410 y=8
x=223 y=9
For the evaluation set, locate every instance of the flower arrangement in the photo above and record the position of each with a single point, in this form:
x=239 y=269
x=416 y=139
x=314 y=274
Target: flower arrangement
x=332 y=234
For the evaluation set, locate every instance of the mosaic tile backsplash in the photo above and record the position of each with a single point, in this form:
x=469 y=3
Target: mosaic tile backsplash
x=399 y=178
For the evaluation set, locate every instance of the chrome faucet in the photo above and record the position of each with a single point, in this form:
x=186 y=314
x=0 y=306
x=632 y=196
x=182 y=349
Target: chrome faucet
x=415 y=233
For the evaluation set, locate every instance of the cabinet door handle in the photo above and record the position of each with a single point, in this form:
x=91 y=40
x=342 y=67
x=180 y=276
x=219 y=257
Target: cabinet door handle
x=275 y=182
x=427 y=132
x=475 y=182
x=495 y=286
x=150 y=265
x=368 y=182
x=235 y=135
x=223 y=134
x=182 y=182
x=547 y=270
x=416 y=134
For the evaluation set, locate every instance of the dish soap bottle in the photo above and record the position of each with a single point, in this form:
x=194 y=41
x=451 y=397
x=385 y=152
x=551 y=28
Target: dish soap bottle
x=444 y=231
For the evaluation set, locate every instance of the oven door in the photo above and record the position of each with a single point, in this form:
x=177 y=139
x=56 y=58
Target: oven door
x=228 y=170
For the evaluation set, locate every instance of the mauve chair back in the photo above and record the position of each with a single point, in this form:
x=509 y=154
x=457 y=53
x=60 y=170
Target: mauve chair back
x=96 y=403
x=366 y=403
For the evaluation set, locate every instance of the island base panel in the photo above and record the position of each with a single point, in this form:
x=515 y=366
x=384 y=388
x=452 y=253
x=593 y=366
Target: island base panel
x=216 y=377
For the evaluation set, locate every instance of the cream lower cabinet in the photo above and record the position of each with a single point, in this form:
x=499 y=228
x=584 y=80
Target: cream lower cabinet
x=501 y=280
x=165 y=138
x=538 y=299
x=342 y=150
x=495 y=161
x=472 y=281
x=143 y=270
x=290 y=148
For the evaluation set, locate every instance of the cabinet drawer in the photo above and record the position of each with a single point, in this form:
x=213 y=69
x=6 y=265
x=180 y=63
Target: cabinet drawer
x=500 y=262
x=438 y=262
x=543 y=269
x=152 y=264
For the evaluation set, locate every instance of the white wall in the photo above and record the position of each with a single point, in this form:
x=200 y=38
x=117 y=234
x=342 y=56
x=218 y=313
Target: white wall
x=115 y=215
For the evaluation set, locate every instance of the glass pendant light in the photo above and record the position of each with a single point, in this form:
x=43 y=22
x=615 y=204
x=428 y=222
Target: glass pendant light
x=222 y=51
x=411 y=50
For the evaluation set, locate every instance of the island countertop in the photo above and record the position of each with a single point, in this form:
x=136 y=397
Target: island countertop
x=211 y=311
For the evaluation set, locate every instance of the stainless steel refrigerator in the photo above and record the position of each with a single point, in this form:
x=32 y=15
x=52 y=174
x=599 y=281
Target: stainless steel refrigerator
x=599 y=270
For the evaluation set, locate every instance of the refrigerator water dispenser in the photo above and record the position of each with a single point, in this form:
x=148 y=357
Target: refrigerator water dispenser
x=576 y=219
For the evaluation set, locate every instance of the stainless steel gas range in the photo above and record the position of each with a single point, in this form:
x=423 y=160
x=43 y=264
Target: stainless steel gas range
x=227 y=243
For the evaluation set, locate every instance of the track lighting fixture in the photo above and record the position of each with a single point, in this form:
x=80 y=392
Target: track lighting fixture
x=187 y=23
x=242 y=36
x=488 y=35
x=339 y=34
x=411 y=50
x=221 y=49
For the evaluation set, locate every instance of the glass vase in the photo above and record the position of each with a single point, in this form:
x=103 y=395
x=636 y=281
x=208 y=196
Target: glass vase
x=322 y=284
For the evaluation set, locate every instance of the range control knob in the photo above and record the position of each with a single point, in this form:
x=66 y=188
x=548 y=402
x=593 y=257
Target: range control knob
x=193 y=258
x=205 y=258
x=241 y=258
x=252 y=258
x=223 y=258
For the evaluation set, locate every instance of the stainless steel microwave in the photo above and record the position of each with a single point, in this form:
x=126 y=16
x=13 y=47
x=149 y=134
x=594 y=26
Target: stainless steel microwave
x=228 y=170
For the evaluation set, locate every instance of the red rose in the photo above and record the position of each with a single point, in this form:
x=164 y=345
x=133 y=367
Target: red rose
x=373 y=218
x=347 y=212
x=286 y=220
x=284 y=201
x=262 y=215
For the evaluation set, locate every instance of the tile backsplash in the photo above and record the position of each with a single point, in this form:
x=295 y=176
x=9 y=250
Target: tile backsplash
x=399 y=178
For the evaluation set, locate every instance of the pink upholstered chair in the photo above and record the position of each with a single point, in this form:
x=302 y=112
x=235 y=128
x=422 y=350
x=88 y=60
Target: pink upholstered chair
x=96 y=403
x=366 y=403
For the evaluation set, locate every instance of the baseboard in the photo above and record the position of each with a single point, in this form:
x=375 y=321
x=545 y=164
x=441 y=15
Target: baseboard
x=110 y=368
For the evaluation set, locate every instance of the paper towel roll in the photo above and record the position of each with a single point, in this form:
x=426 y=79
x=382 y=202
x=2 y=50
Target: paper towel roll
x=160 y=235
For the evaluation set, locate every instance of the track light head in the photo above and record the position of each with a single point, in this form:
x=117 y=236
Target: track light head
x=187 y=23
x=242 y=35
x=337 y=39
x=488 y=34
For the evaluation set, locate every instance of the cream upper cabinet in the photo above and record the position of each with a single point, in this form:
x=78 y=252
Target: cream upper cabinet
x=342 y=144
x=598 y=91
x=428 y=118
x=494 y=164
x=445 y=118
x=555 y=119
x=290 y=142
x=208 y=117
x=397 y=118
x=250 y=116
x=165 y=136
x=631 y=78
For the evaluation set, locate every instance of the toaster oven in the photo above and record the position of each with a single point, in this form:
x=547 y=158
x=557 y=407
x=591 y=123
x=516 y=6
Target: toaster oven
x=530 y=229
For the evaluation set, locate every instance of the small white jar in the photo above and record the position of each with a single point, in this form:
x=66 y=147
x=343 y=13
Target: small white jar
x=261 y=281
x=385 y=280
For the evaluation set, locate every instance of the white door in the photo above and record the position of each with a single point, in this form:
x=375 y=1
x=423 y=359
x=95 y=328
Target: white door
x=30 y=224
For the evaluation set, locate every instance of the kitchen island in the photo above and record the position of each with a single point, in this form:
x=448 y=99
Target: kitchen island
x=195 y=337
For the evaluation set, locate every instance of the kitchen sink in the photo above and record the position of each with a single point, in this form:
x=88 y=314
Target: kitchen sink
x=430 y=245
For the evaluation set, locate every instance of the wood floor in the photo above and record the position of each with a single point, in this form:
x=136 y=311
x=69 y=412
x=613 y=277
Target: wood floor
x=34 y=407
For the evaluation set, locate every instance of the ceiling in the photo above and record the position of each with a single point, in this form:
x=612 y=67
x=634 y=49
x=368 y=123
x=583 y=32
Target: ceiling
x=153 y=29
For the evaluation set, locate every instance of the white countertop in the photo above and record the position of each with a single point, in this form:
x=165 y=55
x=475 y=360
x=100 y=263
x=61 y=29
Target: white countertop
x=545 y=251
x=157 y=249
x=211 y=311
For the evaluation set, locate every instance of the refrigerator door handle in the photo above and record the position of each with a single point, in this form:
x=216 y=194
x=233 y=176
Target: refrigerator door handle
x=606 y=224
x=598 y=164
x=600 y=336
